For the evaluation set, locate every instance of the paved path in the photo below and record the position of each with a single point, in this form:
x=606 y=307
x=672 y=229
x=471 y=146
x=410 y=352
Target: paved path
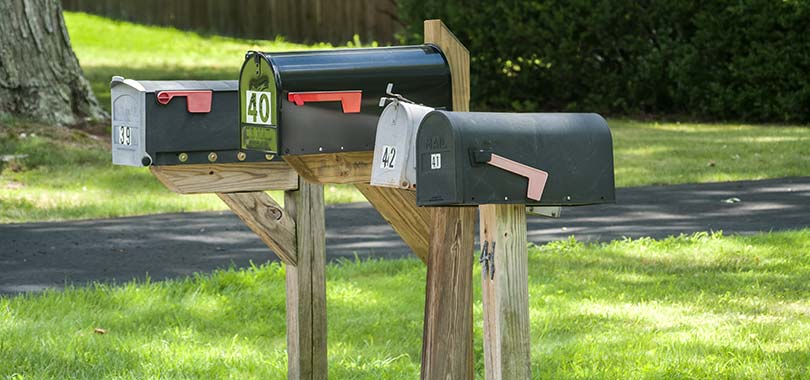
x=47 y=255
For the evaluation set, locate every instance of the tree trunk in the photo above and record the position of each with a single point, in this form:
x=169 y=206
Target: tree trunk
x=40 y=76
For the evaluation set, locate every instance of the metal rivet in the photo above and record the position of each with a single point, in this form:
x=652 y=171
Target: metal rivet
x=241 y=156
x=212 y=156
x=183 y=157
x=269 y=157
x=568 y=198
x=506 y=198
x=320 y=149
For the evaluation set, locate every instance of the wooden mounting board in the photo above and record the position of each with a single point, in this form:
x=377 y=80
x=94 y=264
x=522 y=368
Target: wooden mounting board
x=227 y=178
x=348 y=167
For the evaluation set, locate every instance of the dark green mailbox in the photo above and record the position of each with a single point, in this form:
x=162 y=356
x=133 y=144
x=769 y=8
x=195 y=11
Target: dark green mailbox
x=548 y=159
x=310 y=102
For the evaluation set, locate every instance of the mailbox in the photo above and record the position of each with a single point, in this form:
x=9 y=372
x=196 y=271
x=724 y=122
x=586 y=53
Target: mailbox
x=313 y=102
x=394 y=162
x=541 y=159
x=176 y=122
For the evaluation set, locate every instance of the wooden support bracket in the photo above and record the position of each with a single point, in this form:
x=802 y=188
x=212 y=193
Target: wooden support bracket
x=267 y=219
x=398 y=208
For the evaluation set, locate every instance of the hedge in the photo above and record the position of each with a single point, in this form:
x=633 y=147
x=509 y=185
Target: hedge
x=744 y=60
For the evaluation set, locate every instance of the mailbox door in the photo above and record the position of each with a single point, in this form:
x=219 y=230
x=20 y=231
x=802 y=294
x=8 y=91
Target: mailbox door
x=438 y=155
x=128 y=123
x=574 y=149
x=394 y=162
x=258 y=105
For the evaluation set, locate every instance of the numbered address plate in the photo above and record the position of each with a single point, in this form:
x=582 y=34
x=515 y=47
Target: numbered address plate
x=258 y=107
x=125 y=137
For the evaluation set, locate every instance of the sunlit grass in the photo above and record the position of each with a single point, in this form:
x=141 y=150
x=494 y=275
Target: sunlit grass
x=692 y=307
x=672 y=153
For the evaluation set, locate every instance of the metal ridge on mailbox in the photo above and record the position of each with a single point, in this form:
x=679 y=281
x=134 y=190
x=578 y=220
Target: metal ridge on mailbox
x=328 y=101
x=541 y=159
x=175 y=122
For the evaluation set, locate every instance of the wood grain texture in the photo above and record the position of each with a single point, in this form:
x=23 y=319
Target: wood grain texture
x=227 y=178
x=348 y=167
x=398 y=208
x=447 y=343
x=507 y=343
x=306 y=286
x=267 y=219
x=447 y=347
x=457 y=56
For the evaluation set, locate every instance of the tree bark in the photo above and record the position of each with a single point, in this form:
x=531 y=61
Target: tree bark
x=40 y=77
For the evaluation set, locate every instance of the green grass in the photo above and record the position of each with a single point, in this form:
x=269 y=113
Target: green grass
x=67 y=175
x=694 y=307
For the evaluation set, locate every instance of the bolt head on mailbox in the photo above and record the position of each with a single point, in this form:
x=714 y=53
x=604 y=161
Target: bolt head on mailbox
x=538 y=159
x=312 y=102
x=175 y=122
x=394 y=162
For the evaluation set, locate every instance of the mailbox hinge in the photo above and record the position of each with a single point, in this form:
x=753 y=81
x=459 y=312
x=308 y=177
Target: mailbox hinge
x=537 y=178
x=487 y=260
x=389 y=90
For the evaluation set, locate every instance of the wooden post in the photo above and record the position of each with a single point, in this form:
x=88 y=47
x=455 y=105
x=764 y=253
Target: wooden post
x=306 y=285
x=447 y=346
x=505 y=292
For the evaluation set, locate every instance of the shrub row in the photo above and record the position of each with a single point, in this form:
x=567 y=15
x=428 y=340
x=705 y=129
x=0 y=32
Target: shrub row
x=713 y=60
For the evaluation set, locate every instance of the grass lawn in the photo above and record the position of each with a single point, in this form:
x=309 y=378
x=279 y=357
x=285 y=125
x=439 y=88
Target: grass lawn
x=68 y=175
x=696 y=307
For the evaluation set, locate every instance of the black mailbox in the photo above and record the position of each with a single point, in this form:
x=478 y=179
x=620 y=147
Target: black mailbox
x=175 y=122
x=328 y=101
x=549 y=159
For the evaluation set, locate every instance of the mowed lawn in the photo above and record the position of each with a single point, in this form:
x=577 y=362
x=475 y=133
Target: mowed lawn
x=47 y=183
x=696 y=307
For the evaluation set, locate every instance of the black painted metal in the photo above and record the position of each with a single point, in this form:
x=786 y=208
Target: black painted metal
x=575 y=149
x=420 y=73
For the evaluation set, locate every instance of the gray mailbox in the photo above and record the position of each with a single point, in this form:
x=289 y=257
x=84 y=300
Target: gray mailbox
x=394 y=162
x=176 y=122
x=542 y=159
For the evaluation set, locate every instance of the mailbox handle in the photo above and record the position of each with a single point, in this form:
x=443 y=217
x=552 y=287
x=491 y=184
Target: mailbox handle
x=349 y=100
x=537 y=178
x=197 y=101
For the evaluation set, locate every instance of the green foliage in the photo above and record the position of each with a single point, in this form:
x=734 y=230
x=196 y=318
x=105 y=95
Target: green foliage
x=705 y=306
x=714 y=60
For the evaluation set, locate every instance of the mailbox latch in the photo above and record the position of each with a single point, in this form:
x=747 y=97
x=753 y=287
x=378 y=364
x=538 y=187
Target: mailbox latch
x=197 y=101
x=349 y=100
x=537 y=178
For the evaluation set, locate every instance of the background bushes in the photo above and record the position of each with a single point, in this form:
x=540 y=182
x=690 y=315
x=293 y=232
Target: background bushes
x=713 y=60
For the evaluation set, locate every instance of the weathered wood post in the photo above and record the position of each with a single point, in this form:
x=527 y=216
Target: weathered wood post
x=505 y=292
x=447 y=349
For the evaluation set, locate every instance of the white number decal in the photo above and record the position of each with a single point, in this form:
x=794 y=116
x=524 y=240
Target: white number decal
x=258 y=110
x=388 y=157
x=124 y=136
x=436 y=161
